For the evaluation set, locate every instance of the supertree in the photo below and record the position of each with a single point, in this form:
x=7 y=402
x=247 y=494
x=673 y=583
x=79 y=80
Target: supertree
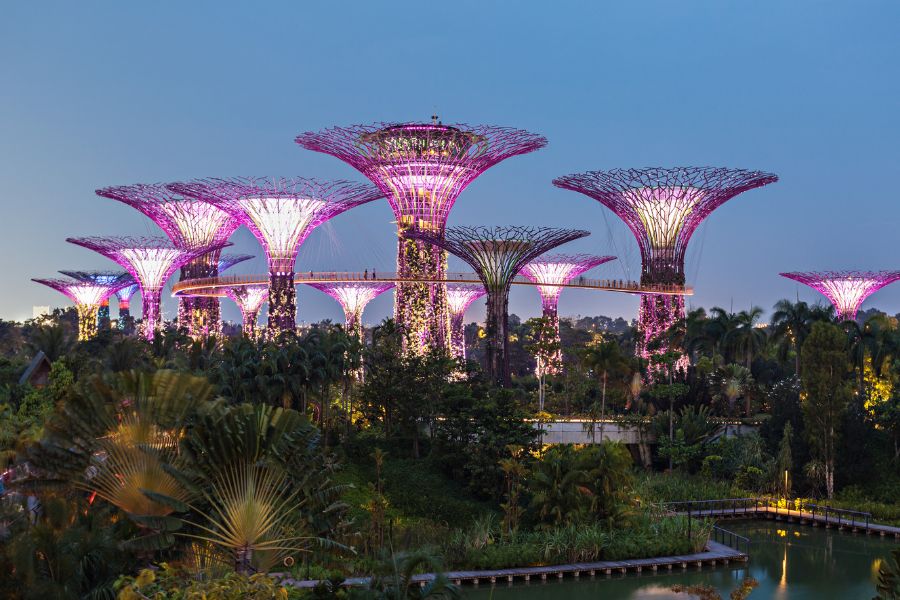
x=353 y=296
x=226 y=261
x=422 y=168
x=846 y=290
x=249 y=299
x=151 y=261
x=550 y=272
x=116 y=280
x=126 y=321
x=459 y=297
x=87 y=297
x=663 y=208
x=191 y=224
x=281 y=213
x=497 y=254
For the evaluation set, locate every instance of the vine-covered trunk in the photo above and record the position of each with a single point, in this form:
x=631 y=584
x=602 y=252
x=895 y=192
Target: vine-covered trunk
x=497 y=336
x=420 y=307
x=282 y=304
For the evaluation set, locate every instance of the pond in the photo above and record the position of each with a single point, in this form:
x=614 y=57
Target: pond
x=791 y=562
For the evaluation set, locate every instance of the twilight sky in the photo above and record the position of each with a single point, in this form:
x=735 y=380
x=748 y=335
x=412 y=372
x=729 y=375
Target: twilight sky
x=97 y=94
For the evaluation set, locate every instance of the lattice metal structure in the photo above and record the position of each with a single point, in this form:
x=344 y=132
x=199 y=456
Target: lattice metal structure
x=126 y=321
x=281 y=213
x=226 y=261
x=353 y=296
x=663 y=207
x=87 y=296
x=497 y=254
x=151 y=261
x=549 y=272
x=191 y=224
x=846 y=290
x=422 y=168
x=249 y=299
x=115 y=279
x=460 y=297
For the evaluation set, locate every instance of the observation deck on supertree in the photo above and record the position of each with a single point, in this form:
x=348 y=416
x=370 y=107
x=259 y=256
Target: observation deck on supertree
x=353 y=298
x=497 y=254
x=550 y=273
x=662 y=208
x=115 y=279
x=125 y=321
x=190 y=224
x=281 y=213
x=460 y=297
x=249 y=299
x=87 y=297
x=846 y=290
x=422 y=168
x=151 y=261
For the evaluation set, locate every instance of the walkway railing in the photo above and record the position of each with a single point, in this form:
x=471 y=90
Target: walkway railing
x=731 y=539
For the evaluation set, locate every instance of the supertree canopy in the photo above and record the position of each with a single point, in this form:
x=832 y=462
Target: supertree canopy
x=353 y=296
x=281 y=213
x=125 y=321
x=422 y=168
x=497 y=254
x=87 y=296
x=116 y=280
x=459 y=297
x=151 y=261
x=226 y=261
x=846 y=290
x=191 y=224
x=249 y=299
x=663 y=208
x=550 y=272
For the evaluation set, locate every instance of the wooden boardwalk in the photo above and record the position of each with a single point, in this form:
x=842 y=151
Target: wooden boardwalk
x=715 y=554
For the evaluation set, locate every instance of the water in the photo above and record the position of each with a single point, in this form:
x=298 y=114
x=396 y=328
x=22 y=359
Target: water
x=791 y=562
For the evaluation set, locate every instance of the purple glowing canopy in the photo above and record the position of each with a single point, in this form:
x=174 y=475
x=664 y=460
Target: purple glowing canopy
x=353 y=296
x=663 y=207
x=461 y=295
x=846 y=290
x=115 y=280
x=422 y=167
x=551 y=271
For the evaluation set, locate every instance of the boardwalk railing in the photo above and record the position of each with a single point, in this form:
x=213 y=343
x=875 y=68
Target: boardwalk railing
x=731 y=539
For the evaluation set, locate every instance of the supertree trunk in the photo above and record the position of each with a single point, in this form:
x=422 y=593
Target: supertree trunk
x=458 y=336
x=125 y=322
x=421 y=308
x=282 y=304
x=151 y=315
x=497 y=336
x=87 y=321
x=103 y=315
x=658 y=312
x=552 y=362
x=199 y=316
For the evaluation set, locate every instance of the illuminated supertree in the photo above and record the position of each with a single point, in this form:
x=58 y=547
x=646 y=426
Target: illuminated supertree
x=846 y=290
x=249 y=299
x=497 y=254
x=281 y=213
x=663 y=208
x=126 y=321
x=422 y=168
x=459 y=297
x=87 y=297
x=116 y=280
x=226 y=261
x=353 y=296
x=151 y=261
x=191 y=224
x=549 y=273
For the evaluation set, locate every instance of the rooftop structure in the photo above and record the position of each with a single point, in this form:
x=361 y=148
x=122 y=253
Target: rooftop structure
x=422 y=168
x=550 y=273
x=125 y=321
x=353 y=298
x=497 y=254
x=249 y=299
x=191 y=224
x=846 y=290
x=459 y=297
x=114 y=279
x=281 y=213
x=87 y=297
x=662 y=208
x=151 y=261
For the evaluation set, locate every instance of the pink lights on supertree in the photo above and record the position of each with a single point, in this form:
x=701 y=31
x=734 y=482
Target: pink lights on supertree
x=87 y=297
x=459 y=297
x=663 y=208
x=116 y=280
x=151 y=261
x=125 y=321
x=422 y=168
x=550 y=273
x=281 y=213
x=846 y=290
x=353 y=296
x=249 y=299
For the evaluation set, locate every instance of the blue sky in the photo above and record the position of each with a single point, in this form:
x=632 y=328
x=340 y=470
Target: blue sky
x=95 y=94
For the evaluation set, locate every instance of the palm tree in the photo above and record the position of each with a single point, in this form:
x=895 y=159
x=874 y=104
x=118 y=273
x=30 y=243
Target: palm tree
x=729 y=383
x=52 y=340
x=791 y=322
x=747 y=339
x=603 y=358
